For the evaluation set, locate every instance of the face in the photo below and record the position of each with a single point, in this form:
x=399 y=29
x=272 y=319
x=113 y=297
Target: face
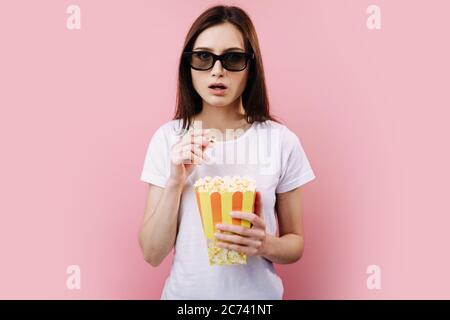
x=218 y=39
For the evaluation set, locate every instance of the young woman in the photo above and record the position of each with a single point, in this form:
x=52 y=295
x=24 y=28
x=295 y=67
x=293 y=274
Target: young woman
x=221 y=89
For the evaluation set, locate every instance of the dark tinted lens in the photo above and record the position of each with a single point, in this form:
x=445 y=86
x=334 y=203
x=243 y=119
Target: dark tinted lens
x=234 y=60
x=201 y=60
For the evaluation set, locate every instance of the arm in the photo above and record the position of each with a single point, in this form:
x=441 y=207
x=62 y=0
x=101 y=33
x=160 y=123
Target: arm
x=158 y=231
x=289 y=246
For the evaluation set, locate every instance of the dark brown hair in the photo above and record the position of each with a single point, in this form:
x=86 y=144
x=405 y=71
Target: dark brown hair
x=254 y=97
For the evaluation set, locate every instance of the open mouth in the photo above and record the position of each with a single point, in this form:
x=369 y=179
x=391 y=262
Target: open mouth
x=217 y=87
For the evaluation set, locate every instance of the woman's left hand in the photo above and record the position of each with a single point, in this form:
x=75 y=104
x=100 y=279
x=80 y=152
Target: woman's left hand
x=250 y=241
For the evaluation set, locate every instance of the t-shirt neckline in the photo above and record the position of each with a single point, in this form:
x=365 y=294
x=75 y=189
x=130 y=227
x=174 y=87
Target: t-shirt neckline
x=246 y=133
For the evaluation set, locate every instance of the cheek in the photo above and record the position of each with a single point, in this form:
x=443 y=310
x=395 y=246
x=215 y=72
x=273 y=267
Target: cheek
x=240 y=82
x=197 y=81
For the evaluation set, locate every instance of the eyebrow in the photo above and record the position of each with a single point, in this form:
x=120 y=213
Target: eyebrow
x=226 y=50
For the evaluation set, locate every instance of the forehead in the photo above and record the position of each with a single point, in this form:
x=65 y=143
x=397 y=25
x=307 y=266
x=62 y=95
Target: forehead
x=220 y=37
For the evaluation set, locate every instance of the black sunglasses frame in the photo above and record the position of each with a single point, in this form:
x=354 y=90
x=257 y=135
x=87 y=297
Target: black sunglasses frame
x=248 y=56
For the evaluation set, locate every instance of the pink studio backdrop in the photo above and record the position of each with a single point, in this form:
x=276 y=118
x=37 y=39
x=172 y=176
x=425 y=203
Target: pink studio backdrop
x=78 y=108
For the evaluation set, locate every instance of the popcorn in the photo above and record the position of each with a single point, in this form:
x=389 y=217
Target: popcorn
x=212 y=139
x=222 y=256
x=226 y=183
x=216 y=197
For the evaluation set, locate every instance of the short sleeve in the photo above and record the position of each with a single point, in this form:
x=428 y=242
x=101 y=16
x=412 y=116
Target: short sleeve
x=156 y=168
x=295 y=167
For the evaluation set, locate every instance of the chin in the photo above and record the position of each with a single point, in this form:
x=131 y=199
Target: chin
x=218 y=102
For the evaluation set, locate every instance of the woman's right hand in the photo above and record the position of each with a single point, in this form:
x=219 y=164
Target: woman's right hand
x=187 y=153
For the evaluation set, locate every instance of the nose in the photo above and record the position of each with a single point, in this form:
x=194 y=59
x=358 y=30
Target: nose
x=217 y=68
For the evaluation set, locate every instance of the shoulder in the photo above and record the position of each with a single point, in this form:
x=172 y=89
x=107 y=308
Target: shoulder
x=166 y=134
x=270 y=124
x=285 y=138
x=170 y=129
x=280 y=130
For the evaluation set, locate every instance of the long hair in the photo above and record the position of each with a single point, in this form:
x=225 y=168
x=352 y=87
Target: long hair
x=254 y=98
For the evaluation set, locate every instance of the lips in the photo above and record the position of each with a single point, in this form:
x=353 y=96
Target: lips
x=217 y=85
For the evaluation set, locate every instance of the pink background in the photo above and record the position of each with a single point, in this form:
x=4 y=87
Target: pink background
x=78 y=108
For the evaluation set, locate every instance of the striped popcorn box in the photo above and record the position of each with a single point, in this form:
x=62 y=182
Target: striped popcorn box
x=216 y=197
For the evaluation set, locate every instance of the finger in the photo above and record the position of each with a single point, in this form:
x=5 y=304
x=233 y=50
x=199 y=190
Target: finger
x=190 y=134
x=196 y=133
x=181 y=154
x=236 y=247
x=186 y=156
x=238 y=239
x=255 y=233
x=253 y=218
x=191 y=158
x=197 y=151
x=198 y=140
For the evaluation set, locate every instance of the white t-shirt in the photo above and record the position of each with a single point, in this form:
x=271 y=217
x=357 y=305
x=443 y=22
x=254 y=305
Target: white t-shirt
x=271 y=154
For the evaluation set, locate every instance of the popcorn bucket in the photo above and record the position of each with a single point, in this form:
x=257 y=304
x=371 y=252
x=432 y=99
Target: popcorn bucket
x=216 y=198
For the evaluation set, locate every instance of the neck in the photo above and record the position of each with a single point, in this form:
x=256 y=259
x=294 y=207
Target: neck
x=231 y=116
